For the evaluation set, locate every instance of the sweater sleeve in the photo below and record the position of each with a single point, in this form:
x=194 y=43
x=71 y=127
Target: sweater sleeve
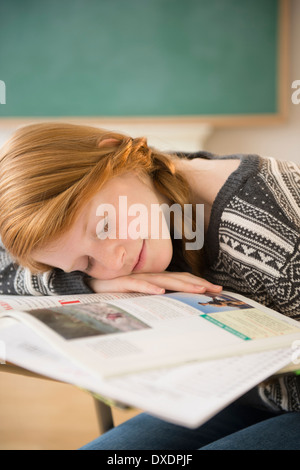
x=16 y=280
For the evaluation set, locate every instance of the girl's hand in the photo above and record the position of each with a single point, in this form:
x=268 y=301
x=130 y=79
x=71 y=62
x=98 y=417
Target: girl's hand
x=154 y=283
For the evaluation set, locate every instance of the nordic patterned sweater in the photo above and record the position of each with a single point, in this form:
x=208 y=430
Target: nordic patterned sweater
x=251 y=247
x=15 y=280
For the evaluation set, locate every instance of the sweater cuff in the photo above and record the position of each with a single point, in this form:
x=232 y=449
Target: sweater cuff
x=69 y=283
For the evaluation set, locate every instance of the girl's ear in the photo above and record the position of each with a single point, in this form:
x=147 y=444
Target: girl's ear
x=108 y=142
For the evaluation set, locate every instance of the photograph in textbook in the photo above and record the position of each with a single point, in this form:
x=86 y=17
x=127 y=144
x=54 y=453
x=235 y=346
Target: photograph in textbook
x=96 y=319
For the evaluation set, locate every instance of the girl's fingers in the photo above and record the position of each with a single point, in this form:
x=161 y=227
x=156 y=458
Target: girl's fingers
x=136 y=285
x=155 y=283
x=199 y=280
x=179 y=281
x=175 y=284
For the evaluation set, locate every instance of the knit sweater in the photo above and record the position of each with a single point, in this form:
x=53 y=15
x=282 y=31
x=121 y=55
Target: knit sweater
x=16 y=280
x=252 y=242
x=251 y=247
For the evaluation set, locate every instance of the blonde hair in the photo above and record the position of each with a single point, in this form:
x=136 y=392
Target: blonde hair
x=48 y=171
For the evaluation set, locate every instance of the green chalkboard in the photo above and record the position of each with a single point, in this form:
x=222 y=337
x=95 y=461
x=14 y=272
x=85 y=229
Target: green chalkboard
x=139 y=57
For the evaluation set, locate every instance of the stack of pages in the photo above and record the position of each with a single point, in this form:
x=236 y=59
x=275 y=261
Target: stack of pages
x=181 y=357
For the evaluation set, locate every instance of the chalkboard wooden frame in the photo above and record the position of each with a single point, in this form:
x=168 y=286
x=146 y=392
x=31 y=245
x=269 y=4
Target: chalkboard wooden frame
x=236 y=120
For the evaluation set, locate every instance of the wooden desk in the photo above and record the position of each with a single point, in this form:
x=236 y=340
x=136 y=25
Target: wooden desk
x=103 y=411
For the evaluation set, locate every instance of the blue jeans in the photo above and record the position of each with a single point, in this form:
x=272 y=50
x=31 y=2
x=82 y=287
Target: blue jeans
x=240 y=426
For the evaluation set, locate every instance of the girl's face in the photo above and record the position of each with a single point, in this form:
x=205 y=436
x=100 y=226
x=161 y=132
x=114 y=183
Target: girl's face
x=114 y=236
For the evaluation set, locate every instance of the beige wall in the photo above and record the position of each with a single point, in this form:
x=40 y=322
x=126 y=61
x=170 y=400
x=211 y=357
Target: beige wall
x=281 y=141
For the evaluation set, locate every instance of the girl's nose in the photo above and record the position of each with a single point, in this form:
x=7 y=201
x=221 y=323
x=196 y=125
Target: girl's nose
x=112 y=258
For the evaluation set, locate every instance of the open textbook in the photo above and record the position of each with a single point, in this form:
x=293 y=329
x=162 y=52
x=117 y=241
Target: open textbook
x=182 y=357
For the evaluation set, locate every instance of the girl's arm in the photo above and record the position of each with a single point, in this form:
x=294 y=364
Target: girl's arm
x=15 y=280
x=155 y=283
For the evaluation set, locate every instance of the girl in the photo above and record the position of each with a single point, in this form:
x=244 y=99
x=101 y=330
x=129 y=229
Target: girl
x=58 y=185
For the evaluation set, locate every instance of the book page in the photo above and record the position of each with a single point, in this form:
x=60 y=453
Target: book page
x=136 y=332
x=25 y=302
x=187 y=395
